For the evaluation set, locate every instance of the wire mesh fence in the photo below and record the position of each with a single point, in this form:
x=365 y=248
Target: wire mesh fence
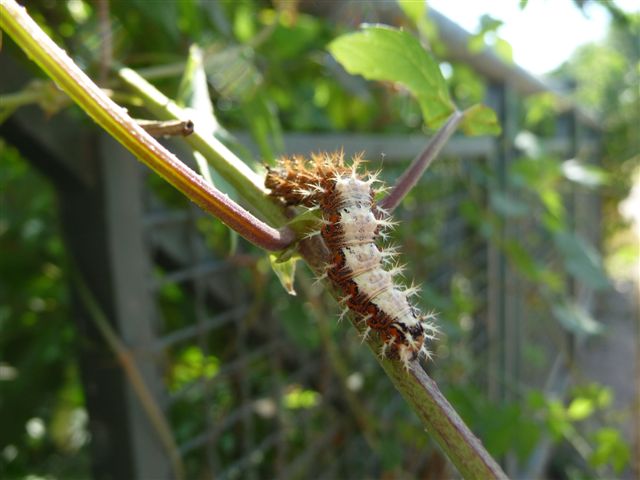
x=260 y=384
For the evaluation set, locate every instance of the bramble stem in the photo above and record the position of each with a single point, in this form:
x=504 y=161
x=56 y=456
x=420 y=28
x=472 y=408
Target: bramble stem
x=237 y=173
x=422 y=395
x=412 y=174
x=115 y=120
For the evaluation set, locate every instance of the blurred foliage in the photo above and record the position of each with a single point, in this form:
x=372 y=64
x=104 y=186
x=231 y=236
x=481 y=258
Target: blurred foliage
x=44 y=424
x=607 y=75
x=266 y=69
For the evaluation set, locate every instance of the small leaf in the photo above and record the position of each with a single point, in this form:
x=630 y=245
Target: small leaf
x=480 y=120
x=387 y=54
x=587 y=175
x=610 y=449
x=576 y=319
x=504 y=50
x=489 y=24
x=285 y=270
x=306 y=222
x=581 y=260
x=580 y=408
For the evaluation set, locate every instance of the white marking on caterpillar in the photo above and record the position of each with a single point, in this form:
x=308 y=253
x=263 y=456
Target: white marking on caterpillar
x=351 y=225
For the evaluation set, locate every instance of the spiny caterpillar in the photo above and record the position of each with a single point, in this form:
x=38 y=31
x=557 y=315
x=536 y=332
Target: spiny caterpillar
x=351 y=225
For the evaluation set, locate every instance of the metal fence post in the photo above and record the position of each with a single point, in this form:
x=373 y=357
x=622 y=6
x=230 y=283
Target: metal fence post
x=503 y=318
x=134 y=308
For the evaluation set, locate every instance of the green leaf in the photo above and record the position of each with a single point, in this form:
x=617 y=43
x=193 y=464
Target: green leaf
x=193 y=93
x=264 y=125
x=285 y=270
x=610 y=449
x=489 y=24
x=586 y=175
x=386 y=54
x=480 y=120
x=306 y=222
x=576 y=319
x=413 y=9
x=504 y=50
x=580 y=408
x=581 y=260
x=297 y=398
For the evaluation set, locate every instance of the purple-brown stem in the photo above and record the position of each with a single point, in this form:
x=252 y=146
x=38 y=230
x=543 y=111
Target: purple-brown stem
x=117 y=122
x=412 y=175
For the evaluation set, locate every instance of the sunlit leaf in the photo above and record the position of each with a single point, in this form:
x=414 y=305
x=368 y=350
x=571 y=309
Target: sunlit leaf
x=387 y=54
x=576 y=319
x=413 y=9
x=298 y=398
x=586 y=175
x=504 y=50
x=611 y=449
x=191 y=365
x=580 y=408
x=193 y=93
x=285 y=270
x=480 y=120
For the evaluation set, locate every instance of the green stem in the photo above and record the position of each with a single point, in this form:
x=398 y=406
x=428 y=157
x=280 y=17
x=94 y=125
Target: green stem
x=421 y=393
x=244 y=180
x=115 y=120
x=412 y=174
x=16 y=100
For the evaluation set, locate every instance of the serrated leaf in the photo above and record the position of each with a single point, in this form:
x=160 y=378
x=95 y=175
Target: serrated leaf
x=480 y=120
x=387 y=54
x=285 y=270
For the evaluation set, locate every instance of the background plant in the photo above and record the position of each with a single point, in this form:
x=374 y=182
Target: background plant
x=287 y=81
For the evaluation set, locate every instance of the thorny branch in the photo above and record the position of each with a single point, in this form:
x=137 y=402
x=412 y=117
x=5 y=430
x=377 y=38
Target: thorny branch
x=116 y=121
x=422 y=394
